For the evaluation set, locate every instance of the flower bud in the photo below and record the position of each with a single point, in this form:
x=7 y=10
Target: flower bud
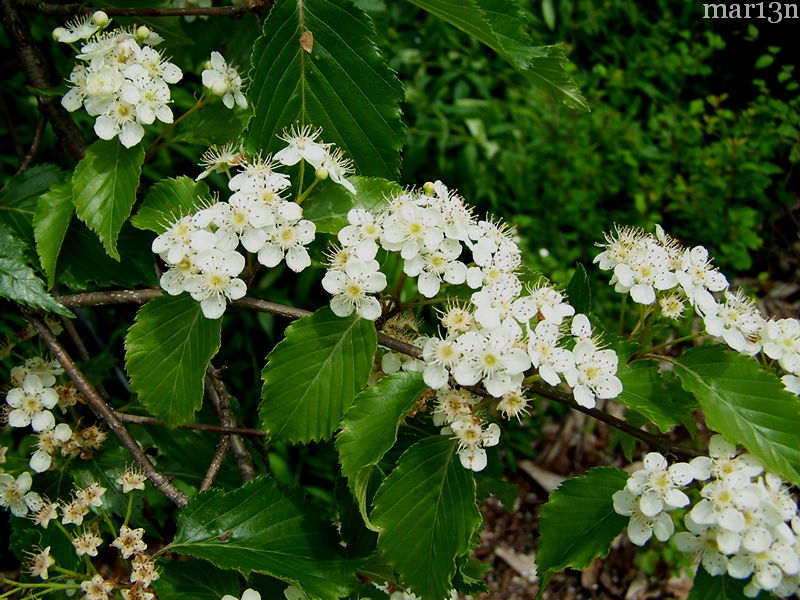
x=143 y=32
x=428 y=188
x=321 y=173
x=100 y=18
x=219 y=87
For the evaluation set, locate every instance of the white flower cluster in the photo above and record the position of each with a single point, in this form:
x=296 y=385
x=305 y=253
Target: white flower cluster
x=652 y=268
x=505 y=330
x=122 y=80
x=745 y=524
x=31 y=401
x=201 y=249
x=223 y=80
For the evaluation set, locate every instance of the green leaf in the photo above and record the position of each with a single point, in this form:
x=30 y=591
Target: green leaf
x=339 y=82
x=313 y=375
x=579 y=293
x=369 y=429
x=643 y=390
x=427 y=514
x=746 y=404
x=18 y=282
x=169 y=200
x=50 y=223
x=719 y=587
x=214 y=124
x=18 y=199
x=195 y=579
x=328 y=205
x=167 y=351
x=500 y=25
x=262 y=527
x=578 y=522
x=83 y=261
x=104 y=188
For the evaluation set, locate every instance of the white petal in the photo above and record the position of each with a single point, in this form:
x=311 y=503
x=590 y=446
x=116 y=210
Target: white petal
x=370 y=308
x=213 y=307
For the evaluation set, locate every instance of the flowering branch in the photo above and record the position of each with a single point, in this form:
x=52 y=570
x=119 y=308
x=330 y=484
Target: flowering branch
x=159 y=481
x=235 y=10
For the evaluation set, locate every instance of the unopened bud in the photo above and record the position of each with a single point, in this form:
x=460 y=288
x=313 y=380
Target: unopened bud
x=428 y=188
x=143 y=32
x=100 y=18
x=58 y=33
x=219 y=87
x=321 y=173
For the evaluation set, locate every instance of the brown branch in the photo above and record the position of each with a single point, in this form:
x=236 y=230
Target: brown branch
x=221 y=401
x=648 y=438
x=27 y=160
x=143 y=420
x=98 y=405
x=216 y=462
x=37 y=74
x=67 y=10
x=139 y=296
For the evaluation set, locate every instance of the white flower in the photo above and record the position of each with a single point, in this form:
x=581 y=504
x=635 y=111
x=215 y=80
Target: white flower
x=645 y=271
x=302 y=145
x=40 y=563
x=594 y=374
x=86 y=544
x=698 y=278
x=441 y=356
x=493 y=358
x=545 y=303
x=46 y=370
x=412 y=228
x=216 y=159
x=175 y=243
x=494 y=304
x=16 y=496
x=702 y=540
x=641 y=527
x=80 y=28
x=216 y=281
x=129 y=541
x=737 y=321
x=351 y=287
x=362 y=233
x=224 y=80
x=545 y=355
x=248 y=594
x=31 y=404
x=441 y=264
x=513 y=404
x=336 y=166
x=618 y=249
x=288 y=239
x=657 y=485
x=96 y=588
x=782 y=343
x=472 y=438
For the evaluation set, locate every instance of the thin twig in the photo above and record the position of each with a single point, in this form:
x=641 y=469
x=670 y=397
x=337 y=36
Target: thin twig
x=221 y=401
x=142 y=296
x=159 y=481
x=83 y=353
x=38 y=74
x=143 y=420
x=66 y=10
x=139 y=296
x=216 y=462
x=27 y=160
x=648 y=438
